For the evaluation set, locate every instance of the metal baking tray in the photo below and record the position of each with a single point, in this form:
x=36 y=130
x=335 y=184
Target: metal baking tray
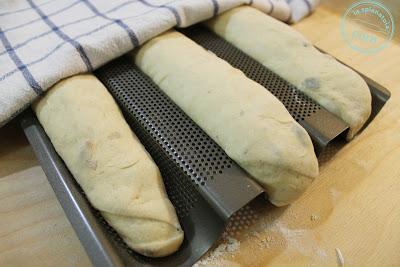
x=322 y=126
x=204 y=184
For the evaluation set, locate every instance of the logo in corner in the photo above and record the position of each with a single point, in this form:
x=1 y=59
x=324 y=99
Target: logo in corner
x=367 y=26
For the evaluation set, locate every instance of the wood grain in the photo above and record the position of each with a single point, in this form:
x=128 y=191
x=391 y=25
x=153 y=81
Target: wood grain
x=33 y=228
x=352 y=206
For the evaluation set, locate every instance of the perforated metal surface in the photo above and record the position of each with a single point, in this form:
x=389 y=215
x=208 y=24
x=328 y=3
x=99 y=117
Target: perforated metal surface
x=166 y=132
x=298 y=104
x=241 y=221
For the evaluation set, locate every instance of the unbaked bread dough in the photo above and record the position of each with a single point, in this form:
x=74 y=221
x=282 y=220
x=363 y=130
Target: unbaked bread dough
x=118 y=176
x=246 y=120
x=286 y=52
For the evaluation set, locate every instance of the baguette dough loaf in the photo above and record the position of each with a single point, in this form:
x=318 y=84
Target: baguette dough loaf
x=286 y=52
x=118 y=176
x=246 y=120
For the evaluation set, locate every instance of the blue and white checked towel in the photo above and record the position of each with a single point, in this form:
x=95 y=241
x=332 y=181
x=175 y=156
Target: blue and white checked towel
x=44 y=41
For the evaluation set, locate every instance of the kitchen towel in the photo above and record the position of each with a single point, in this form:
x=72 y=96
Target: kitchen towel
x=44 y=41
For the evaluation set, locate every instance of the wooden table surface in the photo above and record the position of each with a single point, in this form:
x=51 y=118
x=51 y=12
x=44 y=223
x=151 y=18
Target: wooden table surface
x=352 y=207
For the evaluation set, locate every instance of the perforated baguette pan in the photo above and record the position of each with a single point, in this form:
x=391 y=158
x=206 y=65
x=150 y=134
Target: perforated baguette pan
x=322 y=126
x=205 y=186
x=197 y=173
